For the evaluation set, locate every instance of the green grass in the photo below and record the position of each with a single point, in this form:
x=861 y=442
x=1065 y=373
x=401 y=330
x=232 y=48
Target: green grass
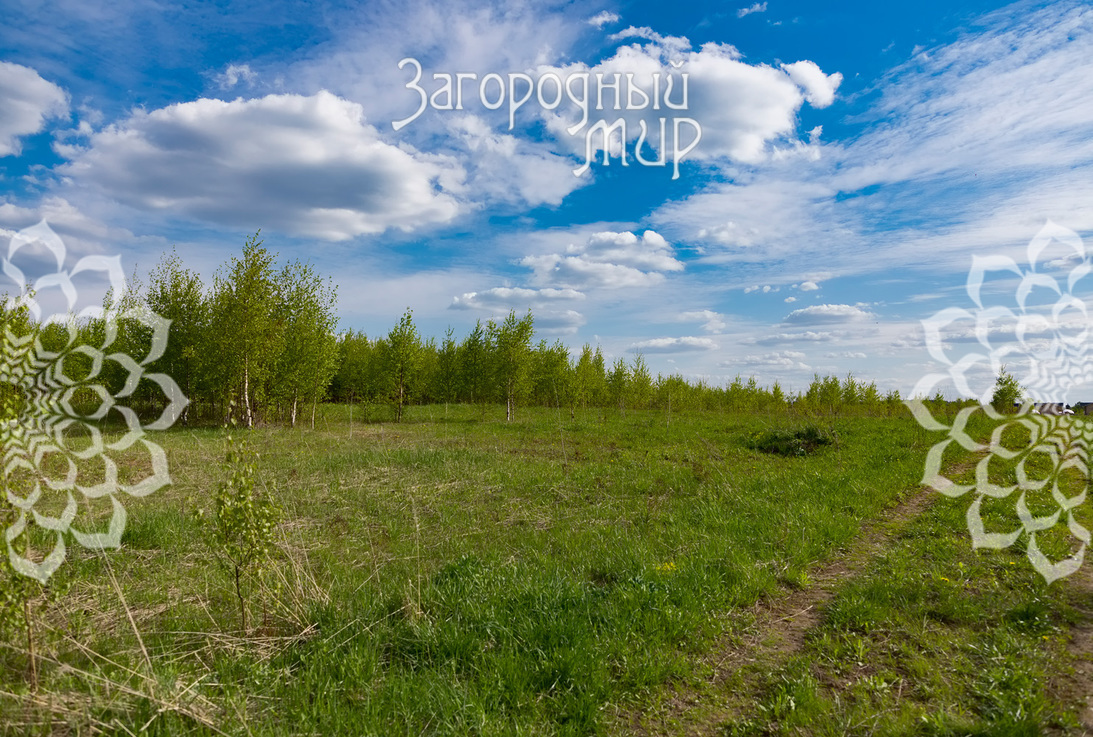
x=934 y=639
x=456 y=574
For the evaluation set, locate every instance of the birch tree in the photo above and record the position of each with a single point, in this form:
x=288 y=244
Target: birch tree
x=178 y=295
x=512 y=358
x=401 y=359
x=308 y=358
x=244 y=338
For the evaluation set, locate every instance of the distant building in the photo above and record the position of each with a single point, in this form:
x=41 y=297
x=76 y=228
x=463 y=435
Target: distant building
x=1053 y=408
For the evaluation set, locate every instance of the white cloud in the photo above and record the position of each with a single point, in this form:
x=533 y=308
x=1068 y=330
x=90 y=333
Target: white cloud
x=746 y=111
x=729 y=234
x=779 y=359
x=506 y=298
x=984 y=139
x=608 y=260
x=599 y=20
x=673 y=345
x=789 y=300
x=755 y=8
x=808 y=336
x=819 y=87
x=558 y=322
x=713 y=322
x=26 y=102
x=671 y=44
x=82 y=235
x=309 y=165
x=765 y=216
x=504 y=168
x=234 y=74
x=455 y=36
x=827 y=314
x=809 y=286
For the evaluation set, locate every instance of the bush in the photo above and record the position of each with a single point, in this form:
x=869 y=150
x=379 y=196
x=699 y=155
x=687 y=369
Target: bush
x=790 y=444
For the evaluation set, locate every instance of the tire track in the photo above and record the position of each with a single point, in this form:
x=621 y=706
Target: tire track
x=778 y=626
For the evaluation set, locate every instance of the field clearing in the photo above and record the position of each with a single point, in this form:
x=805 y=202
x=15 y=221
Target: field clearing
x=457 y=574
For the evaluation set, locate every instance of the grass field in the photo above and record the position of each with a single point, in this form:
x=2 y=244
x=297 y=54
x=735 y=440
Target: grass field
x=456 y=574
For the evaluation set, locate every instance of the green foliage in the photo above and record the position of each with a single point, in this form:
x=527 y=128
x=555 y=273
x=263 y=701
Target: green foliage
x=617 y=382
x=1007 y=392
x=640 y=388
x=553 y=375
x=308 y=358
x=176 y=294
x=243 y=521
x=355 y=377
x=447 y=369
x=245 y=337
x=401 y=357
x=511 y=341
x=473 y=365
x=789 y=443
x=15 y=588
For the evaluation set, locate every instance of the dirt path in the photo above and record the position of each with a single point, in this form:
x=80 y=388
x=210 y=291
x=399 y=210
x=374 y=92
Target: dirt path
x=1078 y=685
x=778 y=627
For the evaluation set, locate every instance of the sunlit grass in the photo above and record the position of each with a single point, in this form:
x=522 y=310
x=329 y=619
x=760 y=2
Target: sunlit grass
x=457 y=574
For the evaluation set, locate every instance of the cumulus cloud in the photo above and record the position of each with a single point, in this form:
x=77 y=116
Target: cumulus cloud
x=26 y=102
x=743 y=109
x=819 y=87
x=673 y=345
x=755 y=8
x=827 y=314
x=599 y=20
x=309 y=165
x=607 y=260
x=713 y=322
x=808 y=286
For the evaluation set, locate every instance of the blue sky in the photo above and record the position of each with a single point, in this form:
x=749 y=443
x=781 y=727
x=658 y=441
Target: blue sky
x=854 y=158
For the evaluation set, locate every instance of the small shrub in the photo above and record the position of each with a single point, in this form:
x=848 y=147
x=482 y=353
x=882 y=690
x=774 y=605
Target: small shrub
x=244 y=521
x=789 y=444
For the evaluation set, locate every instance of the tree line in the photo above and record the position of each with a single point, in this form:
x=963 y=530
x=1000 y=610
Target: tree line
x=261 y=345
